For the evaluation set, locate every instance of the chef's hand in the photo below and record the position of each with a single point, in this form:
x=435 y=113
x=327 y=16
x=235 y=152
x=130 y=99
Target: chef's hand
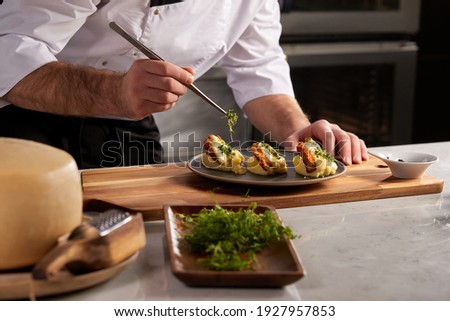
x=343 y=145
x=152 y=86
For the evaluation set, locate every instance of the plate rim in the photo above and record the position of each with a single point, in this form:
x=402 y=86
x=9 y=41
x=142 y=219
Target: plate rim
x=230 y=177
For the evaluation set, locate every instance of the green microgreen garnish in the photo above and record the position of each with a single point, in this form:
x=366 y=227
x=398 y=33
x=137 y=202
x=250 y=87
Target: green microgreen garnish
x=270 y=149
x=232 y=119
x=229 y=239
x=226 y=149
x=319 y=151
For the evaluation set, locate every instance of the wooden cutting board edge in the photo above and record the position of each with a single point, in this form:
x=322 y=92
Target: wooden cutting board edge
x=119 y=188
x=156 y=213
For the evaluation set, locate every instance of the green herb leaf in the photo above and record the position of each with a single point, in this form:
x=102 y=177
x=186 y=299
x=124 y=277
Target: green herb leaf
x=230 y=239
x=319 y=151
x=232 y=119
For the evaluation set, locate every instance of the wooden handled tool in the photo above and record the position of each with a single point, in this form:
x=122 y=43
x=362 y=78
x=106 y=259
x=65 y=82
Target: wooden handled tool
x=103 y=241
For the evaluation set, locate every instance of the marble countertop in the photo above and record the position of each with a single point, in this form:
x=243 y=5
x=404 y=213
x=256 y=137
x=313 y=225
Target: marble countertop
x=389 y=249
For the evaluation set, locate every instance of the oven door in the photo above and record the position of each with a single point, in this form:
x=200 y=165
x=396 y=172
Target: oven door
x=367 y=88
x=313 y=17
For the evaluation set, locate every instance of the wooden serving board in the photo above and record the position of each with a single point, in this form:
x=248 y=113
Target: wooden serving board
x=15 y=285
x=147 y=188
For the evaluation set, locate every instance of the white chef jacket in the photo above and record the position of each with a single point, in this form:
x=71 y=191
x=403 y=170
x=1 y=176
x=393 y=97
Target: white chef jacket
x=241 y=36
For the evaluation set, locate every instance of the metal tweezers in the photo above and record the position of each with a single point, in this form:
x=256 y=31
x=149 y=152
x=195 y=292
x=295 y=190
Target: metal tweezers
x=152 y=55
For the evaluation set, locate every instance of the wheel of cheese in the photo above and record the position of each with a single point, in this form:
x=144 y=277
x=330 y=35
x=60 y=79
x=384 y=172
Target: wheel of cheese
x=40 y=200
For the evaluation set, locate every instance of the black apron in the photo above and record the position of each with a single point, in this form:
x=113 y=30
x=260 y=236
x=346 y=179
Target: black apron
x=93 y=142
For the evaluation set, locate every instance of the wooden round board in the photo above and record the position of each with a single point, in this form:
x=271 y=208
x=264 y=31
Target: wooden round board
x=19 y=285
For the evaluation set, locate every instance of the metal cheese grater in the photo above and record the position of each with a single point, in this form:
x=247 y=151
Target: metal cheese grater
x=102 y=241
x=103 y=222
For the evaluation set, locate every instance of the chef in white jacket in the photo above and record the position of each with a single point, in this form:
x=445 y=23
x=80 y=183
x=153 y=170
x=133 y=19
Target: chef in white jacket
x=68 y=80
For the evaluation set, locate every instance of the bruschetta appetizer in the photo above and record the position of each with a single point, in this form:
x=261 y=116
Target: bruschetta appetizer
x=266 y=160
x=221 y=156
x=312 y=160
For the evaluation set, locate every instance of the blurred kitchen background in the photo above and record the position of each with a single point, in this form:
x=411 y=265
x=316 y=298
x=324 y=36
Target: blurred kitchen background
x=378 y=68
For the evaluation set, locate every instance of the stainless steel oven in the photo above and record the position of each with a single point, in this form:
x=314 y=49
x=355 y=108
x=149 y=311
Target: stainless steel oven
x=353 y=62
x=313 y=17
x=365 y=87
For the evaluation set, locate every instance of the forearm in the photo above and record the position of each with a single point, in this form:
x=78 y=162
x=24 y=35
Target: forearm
x=65 y=89
x=279 y=115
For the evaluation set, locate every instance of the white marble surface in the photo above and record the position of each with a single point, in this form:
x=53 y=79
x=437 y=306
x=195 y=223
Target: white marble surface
x=390 y=249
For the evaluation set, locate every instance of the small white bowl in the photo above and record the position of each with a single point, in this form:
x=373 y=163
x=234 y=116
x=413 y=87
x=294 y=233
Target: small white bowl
x=406 y=164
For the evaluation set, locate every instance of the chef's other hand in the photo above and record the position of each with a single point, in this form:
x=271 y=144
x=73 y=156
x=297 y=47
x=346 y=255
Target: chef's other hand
x=152 y=86
x=344 y=145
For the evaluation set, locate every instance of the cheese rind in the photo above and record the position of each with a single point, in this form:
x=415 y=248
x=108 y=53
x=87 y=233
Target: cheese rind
x=40 y=200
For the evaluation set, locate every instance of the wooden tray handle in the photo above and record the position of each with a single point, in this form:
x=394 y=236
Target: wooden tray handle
x=93 y=252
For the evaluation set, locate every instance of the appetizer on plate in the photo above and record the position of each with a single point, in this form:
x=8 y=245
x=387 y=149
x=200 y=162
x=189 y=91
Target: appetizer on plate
x=221 y=156
x=266 y=160
x=313 y=161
